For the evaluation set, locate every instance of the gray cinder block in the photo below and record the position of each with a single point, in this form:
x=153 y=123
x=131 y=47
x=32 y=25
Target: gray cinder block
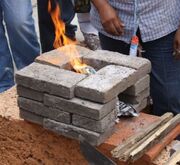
x=106 y=84
x=30 y=93
x=81 y=107
x=135 y=99
x=32 y=117
x=49 y=79
x=138 y=87
x=39 y=109
x=101 y=58
x=60 y=57
x=73 y=132
x=139 y=107
x=94 y=125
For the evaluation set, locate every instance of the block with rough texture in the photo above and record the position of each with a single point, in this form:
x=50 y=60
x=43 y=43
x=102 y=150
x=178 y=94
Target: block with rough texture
x=101 y=58
x=139 y=86
x=39 y=109
x=94 y=125
x=49 y=79
x=60 y=57
x=30 y=93
x=135 y=99
x=139 y=107
x=81 y=107
x=32 y=117
x=106 y=84
x=73 y=132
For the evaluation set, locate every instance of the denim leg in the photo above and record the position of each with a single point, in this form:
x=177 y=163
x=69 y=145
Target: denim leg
x=165 y=76
x=6 y=66
x=21 y=31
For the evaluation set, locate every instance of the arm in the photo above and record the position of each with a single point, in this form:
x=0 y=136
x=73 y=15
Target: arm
x=109 y=18
x=177 y=44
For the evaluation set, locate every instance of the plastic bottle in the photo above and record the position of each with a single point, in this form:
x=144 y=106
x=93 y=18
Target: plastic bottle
x=134 y=46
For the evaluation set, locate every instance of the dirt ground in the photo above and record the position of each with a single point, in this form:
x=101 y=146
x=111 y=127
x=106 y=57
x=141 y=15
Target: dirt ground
x=24 y=143
x=28 y=144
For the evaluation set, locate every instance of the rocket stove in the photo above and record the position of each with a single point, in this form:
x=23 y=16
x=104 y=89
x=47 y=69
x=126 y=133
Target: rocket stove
x=53 y=95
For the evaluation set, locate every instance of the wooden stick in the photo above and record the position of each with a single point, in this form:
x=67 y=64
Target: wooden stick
x=158 y=135
x=119 y=150
x=151 y=154
x=126 y=155
x=175 y=158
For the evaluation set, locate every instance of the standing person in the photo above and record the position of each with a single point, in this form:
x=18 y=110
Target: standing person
x=46 y=25
x=21 y=45
x=90 y=34
x=157 y=23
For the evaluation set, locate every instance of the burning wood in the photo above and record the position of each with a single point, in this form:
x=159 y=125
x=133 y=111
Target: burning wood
x=61 y=40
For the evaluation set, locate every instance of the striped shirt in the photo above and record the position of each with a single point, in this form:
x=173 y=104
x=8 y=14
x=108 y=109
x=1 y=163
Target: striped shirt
x=154 y=18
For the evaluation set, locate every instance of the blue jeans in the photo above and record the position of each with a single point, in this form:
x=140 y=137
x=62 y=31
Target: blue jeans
x=165 y=75
x=22 y=45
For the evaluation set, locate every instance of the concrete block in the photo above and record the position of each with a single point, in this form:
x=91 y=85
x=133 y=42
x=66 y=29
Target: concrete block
x=49 y=79
x=138 y=87
x=60 y=57
x=139 y=107
x=73 y=132
x=106 y=84
x=31 y=117
x=30 y=93
x=101 y=58
x=135 y=99
x=39 y=109
x=80 y=107
x=94 y=125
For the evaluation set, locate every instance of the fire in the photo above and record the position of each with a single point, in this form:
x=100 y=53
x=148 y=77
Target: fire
x=61 y=39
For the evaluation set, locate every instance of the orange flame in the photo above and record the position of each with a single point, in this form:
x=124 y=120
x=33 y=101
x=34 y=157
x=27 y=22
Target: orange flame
x=61 y=39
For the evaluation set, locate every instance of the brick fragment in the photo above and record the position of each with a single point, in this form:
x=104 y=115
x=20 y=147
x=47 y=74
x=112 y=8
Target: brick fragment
x=49 y=79
x=106 y=84
x=73 y=132
x=81 y=107
x=94 y=125
x=39 y=109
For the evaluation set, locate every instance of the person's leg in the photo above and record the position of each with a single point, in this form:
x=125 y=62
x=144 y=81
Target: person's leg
x=6 y=66
x=21 y=31
x=46 y=26
x=111 y=44
x=165 y=76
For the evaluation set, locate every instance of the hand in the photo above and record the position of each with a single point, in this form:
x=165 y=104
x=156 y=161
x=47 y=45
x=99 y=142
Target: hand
x=110 y=20
x=177 y=45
